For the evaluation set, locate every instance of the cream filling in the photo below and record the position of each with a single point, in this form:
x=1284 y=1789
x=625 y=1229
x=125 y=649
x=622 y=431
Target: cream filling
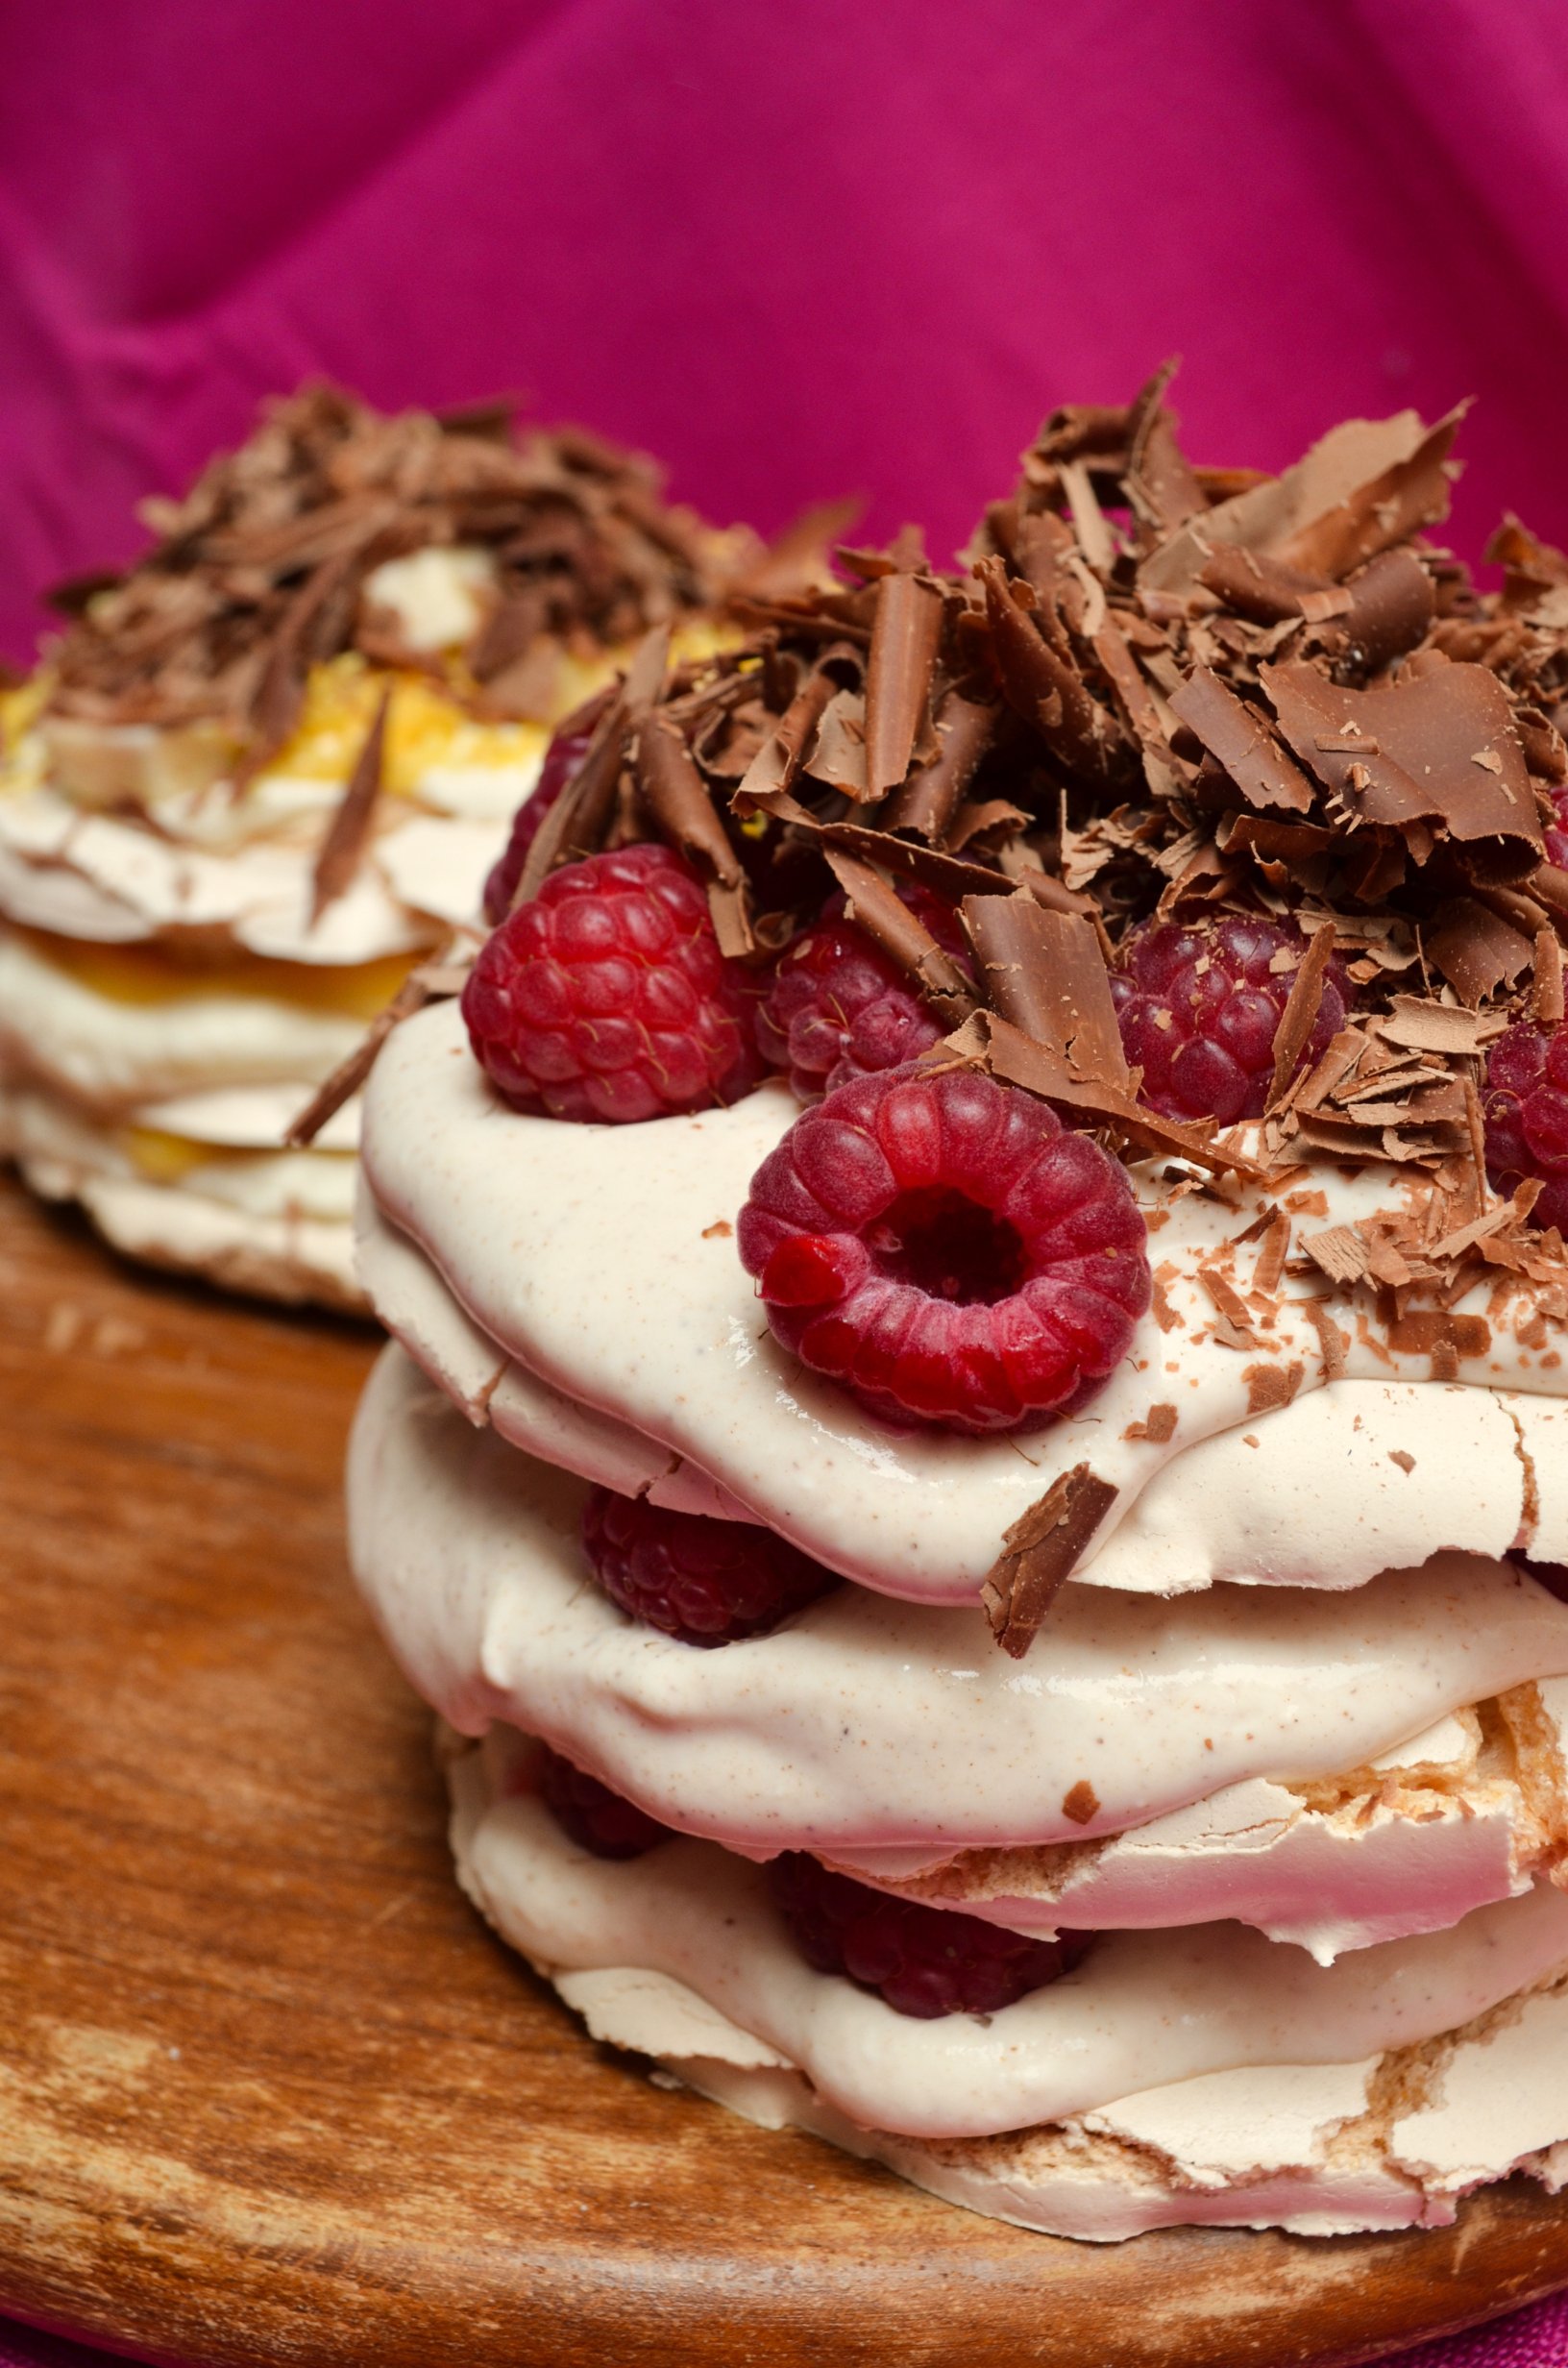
x=1142 y=2012
x=596 y=1258
x=69 y=1150
x=114 y=1054
x=890 y=1738
x=1244 y=1506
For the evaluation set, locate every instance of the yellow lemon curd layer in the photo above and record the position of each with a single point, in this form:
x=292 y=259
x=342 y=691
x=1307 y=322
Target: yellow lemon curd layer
x=163 y=1158
x=155 y=973
x=426 y=726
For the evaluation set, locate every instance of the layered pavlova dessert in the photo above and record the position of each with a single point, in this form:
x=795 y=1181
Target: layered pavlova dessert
x=265 y=774
x=974 y=1453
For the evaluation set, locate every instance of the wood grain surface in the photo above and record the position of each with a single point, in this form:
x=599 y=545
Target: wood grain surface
x=268 y=2090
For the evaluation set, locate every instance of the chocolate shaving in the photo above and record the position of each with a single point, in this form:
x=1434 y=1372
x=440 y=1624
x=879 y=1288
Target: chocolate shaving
x=905 y=633
x=1269 y=1387
x=680 y=802
x=1234 y=1329
x=1046 y=974
x=993 y=1043
x=1404 y=760
x=1040 y=1551
x=929 y=799
x=1474 y=950
x=1440 y=1334
x=430 y=983
x=1331 y=1340
x=1240 y=739
x=1157 y=1426
x=347 y=833
x=1546 y=995
x=1391 y=608
x=778 y=761
x=1304 y=1001
x=882 y=913
x=1046 y=690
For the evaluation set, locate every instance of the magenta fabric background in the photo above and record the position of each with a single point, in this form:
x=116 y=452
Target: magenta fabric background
x=797 y=250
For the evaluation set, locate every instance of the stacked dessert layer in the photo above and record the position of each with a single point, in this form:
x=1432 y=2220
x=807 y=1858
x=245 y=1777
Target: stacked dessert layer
x=265 y=774
x=998 y=1595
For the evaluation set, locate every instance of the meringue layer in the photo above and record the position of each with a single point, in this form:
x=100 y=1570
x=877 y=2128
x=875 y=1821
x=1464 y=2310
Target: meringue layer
x=602 y=1261
x=1150 y=1764
x=1140 y=2011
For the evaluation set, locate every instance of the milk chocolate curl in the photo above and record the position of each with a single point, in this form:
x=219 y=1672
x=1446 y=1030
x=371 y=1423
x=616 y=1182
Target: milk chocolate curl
x=1238 y=738
x=1038 y=1552
x=1546 y=999
x=930 y=796
x=1391 y=608
x=347 y=833
x=1261 y=588
x=1304 y=1001
x=778 y=761
x=1043 y=689
x=1044 y=972
x=904 y=635
x=884 y=916
x=679 y=804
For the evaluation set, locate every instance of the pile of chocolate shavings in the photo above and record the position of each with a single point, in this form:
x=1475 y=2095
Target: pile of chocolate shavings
x=258 y=573
x=1166 y=692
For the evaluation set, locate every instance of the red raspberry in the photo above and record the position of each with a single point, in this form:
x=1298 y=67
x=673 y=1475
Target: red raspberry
x=707 y=1582
x=1556 y=832
x=593 y=1816
x=607 y=997
x=1526 y=1116
x=564 y=755
x=938 y=1244
x=1199 y=1006
x=923 y=1960
x=839 y=1007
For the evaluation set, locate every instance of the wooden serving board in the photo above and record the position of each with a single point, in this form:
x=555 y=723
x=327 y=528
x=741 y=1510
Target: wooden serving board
x=268 y=2090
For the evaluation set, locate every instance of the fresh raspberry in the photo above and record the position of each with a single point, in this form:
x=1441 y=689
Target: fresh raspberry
x=707 y=1582
x=1556 y=832
x=1526 y=1116
x=593 y=1816
x=564 y=755
x=923 y=1960
x=942 y=1245
x=607 y=997
x=1199 y=1007
x=839 y=1007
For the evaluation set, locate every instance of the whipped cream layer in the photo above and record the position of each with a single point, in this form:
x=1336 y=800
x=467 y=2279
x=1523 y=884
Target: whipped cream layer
x=1140 y=2011
x=601 y=1260
x=186 y=1195
x=888 y=1738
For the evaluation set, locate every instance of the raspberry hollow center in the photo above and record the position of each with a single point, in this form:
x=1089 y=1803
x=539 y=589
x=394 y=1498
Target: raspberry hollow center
x=948 y=1247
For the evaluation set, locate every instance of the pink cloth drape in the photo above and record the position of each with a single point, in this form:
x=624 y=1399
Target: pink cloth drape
x=838 y=246
x=846 y=245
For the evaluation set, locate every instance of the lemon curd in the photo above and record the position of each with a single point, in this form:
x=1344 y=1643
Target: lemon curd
x=154 y=972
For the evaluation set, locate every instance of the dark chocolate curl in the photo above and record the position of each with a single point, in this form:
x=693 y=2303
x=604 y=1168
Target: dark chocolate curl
x=1240 y=739
x=930 y=796
x=577 y=822
x=1045 y=691
x=347 y=833
x=1044 y=972
x=1161 y=482
x=677 y=798
x=904 y=635
x=884 y=916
